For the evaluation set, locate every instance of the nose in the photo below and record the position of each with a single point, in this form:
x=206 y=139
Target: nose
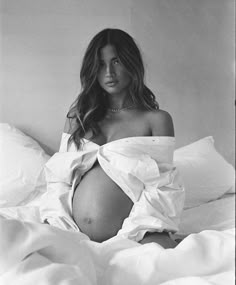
x=109 y=70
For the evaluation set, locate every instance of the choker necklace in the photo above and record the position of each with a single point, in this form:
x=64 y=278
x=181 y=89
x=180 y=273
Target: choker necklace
x=117 y=110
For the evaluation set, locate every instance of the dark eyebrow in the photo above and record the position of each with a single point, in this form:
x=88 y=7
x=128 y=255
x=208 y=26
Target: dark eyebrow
x=102 y=60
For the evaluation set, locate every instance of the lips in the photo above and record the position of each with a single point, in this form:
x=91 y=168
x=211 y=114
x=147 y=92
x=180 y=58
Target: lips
x=111 y=83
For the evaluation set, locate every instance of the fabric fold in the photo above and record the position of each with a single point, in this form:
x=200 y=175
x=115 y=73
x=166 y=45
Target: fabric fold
x=141 y=166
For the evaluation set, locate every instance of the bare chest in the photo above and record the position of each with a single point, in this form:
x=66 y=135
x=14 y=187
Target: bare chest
x=116 y=126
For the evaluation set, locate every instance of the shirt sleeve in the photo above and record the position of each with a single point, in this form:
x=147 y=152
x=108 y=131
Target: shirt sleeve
x=63 y=172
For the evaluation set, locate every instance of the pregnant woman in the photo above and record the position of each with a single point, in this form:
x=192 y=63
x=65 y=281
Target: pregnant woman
x=124 y=182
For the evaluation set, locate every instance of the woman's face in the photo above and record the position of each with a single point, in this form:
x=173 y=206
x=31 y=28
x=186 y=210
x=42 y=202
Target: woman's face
x=112 y=75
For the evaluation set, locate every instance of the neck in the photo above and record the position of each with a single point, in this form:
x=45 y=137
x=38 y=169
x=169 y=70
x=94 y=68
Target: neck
x=119 y=101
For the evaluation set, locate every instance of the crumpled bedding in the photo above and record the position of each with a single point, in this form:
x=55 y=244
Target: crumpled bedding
x=34 y=253
x=141 y=166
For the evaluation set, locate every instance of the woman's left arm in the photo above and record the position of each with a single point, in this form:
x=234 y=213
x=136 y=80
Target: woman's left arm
x=161 y=124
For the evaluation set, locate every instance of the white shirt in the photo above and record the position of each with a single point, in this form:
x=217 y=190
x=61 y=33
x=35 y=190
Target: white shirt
x=141 y=166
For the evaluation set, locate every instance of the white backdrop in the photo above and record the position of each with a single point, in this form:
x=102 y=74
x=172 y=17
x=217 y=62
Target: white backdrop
x=187 y=45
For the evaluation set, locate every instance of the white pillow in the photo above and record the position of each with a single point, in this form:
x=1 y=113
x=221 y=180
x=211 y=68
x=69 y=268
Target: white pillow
x=206 y=174
x=218 y=215
x=21 y=163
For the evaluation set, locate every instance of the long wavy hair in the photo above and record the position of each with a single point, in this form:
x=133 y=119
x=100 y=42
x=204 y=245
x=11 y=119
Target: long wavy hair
x=90 y=106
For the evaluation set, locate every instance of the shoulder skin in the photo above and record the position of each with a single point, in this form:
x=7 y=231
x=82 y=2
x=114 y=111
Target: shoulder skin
x=70 y=126
x=161 y=123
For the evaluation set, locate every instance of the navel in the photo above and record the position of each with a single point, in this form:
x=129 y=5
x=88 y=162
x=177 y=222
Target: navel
x=87 y=220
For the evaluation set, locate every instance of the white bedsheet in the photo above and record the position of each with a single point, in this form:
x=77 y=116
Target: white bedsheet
x=34 y=253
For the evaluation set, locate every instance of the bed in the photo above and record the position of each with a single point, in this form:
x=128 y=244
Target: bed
x=32 y=252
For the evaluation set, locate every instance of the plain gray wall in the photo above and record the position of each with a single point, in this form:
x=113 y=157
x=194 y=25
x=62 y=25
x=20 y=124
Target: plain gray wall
x=187 y=46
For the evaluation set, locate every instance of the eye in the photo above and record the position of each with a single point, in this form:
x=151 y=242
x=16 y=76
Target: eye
x=116 y=61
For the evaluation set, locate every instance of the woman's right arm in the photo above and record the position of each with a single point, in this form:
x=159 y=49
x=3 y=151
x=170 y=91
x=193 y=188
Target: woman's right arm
x=69 y=126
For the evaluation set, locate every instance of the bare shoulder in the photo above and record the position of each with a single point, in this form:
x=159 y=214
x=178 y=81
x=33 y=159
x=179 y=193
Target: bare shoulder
x=161 y=123
x=70 y=125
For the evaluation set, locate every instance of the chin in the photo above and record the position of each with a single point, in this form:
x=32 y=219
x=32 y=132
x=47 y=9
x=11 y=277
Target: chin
x=112 y=91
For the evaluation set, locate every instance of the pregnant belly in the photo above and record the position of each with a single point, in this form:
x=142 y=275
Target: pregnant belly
x=99 y=205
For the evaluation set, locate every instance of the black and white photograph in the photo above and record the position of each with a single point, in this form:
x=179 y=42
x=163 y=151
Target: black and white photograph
x=117 y=142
